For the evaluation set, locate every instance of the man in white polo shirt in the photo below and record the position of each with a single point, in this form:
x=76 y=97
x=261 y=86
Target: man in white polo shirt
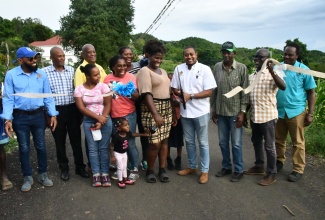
x=194 y=83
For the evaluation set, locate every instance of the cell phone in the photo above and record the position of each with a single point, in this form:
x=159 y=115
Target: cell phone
x=153 y=129
x=92 y=127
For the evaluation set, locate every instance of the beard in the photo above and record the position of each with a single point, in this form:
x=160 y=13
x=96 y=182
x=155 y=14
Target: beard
x=30 y=67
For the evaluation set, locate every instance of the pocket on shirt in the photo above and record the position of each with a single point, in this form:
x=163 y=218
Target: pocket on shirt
x=298 y=80
x=40 y=82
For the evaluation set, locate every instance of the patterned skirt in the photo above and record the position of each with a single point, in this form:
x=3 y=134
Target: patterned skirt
x=165 y=111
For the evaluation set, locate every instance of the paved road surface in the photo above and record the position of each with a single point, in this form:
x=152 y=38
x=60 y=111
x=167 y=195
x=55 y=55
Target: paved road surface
x=181 y=198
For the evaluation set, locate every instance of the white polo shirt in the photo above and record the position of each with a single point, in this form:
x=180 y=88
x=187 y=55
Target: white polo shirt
x=195 y=80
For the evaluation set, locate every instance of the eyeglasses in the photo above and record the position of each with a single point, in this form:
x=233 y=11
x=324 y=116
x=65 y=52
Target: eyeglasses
x=258 y=57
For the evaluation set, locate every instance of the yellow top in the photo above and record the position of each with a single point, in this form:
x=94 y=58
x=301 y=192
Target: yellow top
x=80 y=78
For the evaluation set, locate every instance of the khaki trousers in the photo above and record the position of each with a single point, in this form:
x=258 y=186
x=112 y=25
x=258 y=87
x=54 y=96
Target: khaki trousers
x=295 y=127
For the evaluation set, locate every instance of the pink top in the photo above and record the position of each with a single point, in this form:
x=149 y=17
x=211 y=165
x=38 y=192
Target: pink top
x=93 y=98
x=121 y=106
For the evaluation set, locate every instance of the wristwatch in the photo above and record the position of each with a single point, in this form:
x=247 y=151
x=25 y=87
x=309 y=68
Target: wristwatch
x=243 y=110
x=192 y=96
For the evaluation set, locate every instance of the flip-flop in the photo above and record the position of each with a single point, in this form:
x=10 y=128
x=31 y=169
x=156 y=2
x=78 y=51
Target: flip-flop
x=164 y=178
x=151 y=178
x=6 y=185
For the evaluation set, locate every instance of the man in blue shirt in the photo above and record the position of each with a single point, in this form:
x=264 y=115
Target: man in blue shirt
x=26 y=115
x=293 y=116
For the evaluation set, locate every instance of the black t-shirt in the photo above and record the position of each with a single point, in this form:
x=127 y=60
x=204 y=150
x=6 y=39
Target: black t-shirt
x=121 y=144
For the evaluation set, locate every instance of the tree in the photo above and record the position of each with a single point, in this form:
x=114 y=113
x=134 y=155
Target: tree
x=303 y=57
x=106 y=24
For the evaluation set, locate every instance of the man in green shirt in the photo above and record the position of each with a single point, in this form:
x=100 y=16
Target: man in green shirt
x=229 y=114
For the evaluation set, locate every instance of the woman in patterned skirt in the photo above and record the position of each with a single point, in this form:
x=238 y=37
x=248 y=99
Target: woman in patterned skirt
x=156 y=108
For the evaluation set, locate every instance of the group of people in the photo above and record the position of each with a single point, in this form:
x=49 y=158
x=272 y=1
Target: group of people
x=157 y=102
x=277 y=106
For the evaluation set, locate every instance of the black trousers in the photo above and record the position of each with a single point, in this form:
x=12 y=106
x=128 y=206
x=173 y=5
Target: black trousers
x=68 y=123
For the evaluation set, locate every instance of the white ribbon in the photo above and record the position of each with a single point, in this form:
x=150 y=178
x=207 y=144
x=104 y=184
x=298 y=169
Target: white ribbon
x=281 y=66
x=47 y=95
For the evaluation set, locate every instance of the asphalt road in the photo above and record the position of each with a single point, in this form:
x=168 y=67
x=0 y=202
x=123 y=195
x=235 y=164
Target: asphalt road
x=181 y=198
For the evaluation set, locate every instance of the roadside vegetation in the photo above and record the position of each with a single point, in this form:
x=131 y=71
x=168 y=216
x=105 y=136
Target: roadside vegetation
x=108 y=26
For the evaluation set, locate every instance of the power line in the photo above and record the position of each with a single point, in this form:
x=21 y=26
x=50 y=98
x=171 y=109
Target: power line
x=162 y=12
x=166 y=17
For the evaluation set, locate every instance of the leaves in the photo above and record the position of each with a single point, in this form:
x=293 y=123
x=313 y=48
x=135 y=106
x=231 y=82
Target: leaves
x=106 y=24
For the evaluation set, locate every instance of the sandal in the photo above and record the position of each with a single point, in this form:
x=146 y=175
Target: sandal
x=6 y=185
x=163 y=177
x=150 y=177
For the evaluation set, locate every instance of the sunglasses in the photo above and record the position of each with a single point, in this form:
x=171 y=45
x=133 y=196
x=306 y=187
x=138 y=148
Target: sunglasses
x=258 y=57
x=31 y=58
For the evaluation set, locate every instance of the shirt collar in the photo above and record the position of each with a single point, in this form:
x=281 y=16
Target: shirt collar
x=233 y=65
x=21 y=71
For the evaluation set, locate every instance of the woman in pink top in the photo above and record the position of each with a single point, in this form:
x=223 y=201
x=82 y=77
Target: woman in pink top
x=124 y=107
x=96 y=108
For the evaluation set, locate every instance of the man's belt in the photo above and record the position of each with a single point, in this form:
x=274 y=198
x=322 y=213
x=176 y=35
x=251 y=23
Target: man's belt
x=65 y=106
x=33 y=112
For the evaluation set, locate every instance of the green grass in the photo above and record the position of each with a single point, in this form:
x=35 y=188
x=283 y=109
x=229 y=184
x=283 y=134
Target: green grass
x=314 y=135
x=11 y=146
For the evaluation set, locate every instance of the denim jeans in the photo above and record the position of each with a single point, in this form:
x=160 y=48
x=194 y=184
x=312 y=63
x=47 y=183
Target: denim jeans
x=132 y=150
x=264 y=131
x=23 y=125
x=226 y=129
x=98 y=150
x=198 y=126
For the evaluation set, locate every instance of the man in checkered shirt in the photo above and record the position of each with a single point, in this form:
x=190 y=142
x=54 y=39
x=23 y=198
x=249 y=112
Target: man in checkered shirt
x=263 y=116
x=61 y=82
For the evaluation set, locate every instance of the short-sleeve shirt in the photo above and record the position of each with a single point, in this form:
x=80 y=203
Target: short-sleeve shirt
x=196 y=80
x=292 y=101
x=121 y=144
x=156 y=84
x=262 y=98
x=121 y=106
x=93 y=98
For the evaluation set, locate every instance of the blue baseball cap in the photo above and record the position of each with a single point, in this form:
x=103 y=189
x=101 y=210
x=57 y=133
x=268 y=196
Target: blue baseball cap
x=25 y=52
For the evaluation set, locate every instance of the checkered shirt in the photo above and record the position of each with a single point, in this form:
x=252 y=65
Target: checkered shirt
x=61 y=83
x=263 y=99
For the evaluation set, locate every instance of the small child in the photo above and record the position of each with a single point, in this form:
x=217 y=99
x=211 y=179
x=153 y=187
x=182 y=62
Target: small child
x=120 y=141
x=175 y=136
x=4 y=139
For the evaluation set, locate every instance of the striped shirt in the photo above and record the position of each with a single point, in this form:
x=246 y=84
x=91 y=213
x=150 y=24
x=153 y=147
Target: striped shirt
x=226 y=81
x=135 y=68
x=61 y=83
x=263 y=98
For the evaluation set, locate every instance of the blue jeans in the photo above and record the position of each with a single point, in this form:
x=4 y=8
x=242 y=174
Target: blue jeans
x=98 y=150
x=132 y=150
x=226 y=129
x=23 y=125
x=199 y=126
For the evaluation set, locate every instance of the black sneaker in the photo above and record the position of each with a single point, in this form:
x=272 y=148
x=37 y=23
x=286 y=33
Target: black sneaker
x=236 y=177
x=279 y=165
x=178 y=163
x=294 y=176
x=170 y=164
x=223 y=172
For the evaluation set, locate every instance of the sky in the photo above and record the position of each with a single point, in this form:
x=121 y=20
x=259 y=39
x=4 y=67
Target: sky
x=247 y=23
